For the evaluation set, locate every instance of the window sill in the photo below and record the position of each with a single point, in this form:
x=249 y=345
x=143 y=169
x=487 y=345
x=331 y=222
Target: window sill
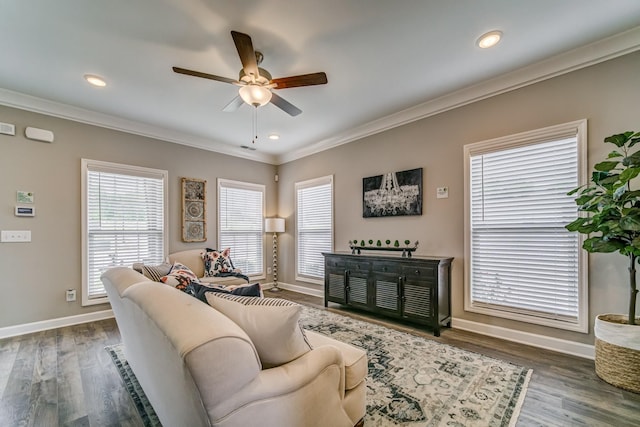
x=310 y=280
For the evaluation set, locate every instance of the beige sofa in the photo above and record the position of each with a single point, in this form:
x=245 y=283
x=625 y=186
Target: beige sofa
x=199 y=368
x=192 y=258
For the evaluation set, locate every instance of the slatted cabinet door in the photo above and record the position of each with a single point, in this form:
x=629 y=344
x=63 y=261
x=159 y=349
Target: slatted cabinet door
x=358 y=284
x=387 y=288
x=419 y=297
x=335 y=280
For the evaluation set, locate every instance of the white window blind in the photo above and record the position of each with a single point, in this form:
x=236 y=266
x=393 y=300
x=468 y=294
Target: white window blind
x=522 y=262
x=240 y=224
x=314 y=226
x=124 y=220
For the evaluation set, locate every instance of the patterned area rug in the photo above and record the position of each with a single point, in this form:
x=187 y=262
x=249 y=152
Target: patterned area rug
x=140 y=401
x=412 y=381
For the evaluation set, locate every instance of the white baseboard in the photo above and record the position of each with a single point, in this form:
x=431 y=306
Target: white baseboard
x=555 y=344
x=28 y=328
x=296 y=288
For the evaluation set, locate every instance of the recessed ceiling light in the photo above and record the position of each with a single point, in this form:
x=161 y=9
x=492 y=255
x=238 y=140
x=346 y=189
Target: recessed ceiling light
x=274 y=136
x=95 y=80
x=489 y=39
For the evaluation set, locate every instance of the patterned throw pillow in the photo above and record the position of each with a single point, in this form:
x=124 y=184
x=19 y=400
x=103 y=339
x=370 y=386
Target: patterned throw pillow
x=180 y=277
x=217 y=263
x=271 y=323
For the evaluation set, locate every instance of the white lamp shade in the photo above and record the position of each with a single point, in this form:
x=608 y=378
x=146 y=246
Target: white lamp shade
x=274 y=225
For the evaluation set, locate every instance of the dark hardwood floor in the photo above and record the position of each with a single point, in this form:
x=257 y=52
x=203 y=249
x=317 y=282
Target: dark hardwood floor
x=64 y=377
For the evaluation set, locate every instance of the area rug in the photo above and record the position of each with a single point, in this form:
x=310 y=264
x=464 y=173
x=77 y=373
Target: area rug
x=415 y=381
x=140 y=401
x=412 y=381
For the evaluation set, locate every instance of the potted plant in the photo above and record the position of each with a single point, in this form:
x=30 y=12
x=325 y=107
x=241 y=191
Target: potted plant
x=612 y=202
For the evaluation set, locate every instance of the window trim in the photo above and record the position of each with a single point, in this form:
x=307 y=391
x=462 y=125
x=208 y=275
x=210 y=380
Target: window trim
x=223 y=182
x=98 y=165
x=576 y=128
x=327 y=179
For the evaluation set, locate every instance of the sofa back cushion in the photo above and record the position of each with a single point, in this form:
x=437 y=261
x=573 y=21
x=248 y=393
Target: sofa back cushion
x=192 y=258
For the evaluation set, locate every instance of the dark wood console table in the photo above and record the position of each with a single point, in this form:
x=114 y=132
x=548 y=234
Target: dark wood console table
x=417 y=289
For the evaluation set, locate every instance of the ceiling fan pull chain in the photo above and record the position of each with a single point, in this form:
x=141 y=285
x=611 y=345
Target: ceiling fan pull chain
x=255 y=124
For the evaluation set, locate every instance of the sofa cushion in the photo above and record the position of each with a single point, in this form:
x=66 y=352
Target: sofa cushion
x=217 y=263
x=355 y=359
x=180 y=277
x=271 y=323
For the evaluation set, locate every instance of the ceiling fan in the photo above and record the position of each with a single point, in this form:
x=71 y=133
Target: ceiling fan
x=256 y=83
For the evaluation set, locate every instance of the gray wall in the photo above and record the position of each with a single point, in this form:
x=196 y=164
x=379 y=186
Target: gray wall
x=35 y=275
x=606 y=94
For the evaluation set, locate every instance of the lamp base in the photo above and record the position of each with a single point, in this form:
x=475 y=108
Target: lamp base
x=274 y=289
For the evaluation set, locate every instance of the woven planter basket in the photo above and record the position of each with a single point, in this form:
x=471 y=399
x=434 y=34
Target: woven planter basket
x=618 y=351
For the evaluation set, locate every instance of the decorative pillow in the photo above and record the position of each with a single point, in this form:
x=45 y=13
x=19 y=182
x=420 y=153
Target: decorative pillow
x=217 y=263
x=155 y=272
x=180 y=277
x=271 y=323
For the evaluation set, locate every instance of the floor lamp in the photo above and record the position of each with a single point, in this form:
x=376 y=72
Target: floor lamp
x=275 y=226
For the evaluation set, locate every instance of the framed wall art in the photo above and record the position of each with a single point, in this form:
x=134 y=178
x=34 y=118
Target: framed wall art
x=392 y=194
x=194 y=210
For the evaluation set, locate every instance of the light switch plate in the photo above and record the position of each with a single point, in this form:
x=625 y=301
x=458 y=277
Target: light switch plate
x=15 y=236
x=442 y=192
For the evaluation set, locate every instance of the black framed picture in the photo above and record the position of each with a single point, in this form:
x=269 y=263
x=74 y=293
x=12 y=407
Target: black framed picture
x=392 y=194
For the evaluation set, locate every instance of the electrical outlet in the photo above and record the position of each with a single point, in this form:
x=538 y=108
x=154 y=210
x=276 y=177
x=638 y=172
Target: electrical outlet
x=268 y=270
x=71 y=295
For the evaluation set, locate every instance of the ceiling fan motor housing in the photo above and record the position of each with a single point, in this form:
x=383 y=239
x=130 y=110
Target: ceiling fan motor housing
x=264 y=78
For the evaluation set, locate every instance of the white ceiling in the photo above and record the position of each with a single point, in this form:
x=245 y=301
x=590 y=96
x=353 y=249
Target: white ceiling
x=387 y=62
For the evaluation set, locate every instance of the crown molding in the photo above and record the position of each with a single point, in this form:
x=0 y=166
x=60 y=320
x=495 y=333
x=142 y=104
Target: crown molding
x=64 y=111
x=594 y=53
x=585 y=56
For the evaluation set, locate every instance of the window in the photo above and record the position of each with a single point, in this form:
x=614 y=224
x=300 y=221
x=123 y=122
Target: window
x=314 y=227
x=521 y=263
x=240 y=222
x=123 y=221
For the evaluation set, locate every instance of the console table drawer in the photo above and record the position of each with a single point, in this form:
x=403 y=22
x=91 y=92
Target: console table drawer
x=424 y=272
x=336 y=263
x=358 y=267
x=390 y=268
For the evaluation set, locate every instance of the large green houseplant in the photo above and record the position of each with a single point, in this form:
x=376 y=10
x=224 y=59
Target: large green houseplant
x=612 y=202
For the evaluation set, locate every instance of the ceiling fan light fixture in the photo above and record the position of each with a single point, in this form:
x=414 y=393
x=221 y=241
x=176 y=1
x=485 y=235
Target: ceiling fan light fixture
x=255 y=95
x=489 y=39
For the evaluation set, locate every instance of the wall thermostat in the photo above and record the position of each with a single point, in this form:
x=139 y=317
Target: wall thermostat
x=25 y=211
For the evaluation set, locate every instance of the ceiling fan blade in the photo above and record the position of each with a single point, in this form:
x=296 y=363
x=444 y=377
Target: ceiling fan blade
x=247 y=54
x=284 y=105
x=233 y=105
x=302 y=80
x=203 y=75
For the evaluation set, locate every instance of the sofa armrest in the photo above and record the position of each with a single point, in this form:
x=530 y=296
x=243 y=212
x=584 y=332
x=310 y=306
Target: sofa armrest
x=307 y=391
